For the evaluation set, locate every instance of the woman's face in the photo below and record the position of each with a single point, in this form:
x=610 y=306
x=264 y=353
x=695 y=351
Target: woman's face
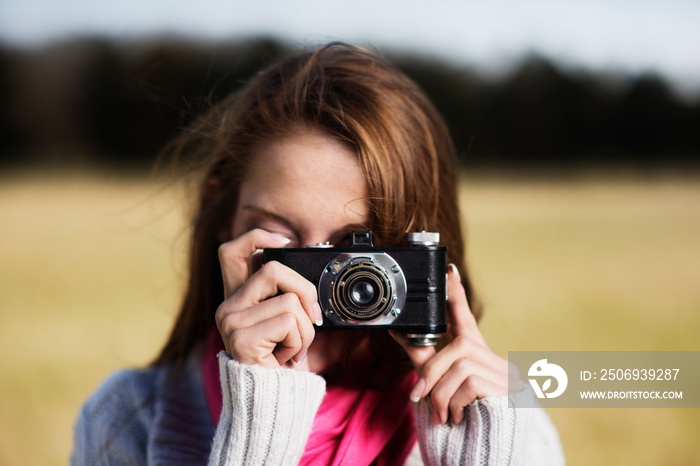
x=308 y=187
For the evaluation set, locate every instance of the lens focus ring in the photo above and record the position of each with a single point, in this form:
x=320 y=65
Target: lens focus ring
x=362 y=288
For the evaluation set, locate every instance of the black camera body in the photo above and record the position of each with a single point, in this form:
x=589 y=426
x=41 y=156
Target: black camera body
x=402 y=288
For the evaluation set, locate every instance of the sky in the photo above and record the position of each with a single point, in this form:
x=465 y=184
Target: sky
x=628 y=36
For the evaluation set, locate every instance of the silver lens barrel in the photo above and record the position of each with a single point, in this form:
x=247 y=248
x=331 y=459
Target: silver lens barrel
x=362 y=288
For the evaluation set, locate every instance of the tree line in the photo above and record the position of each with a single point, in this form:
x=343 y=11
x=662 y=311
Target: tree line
x=118 y=102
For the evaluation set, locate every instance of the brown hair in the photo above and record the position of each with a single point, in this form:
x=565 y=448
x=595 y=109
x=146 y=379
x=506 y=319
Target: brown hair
x=401 y=142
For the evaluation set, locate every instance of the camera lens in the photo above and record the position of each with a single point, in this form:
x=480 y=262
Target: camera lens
x=362 y=288
x=363 y=292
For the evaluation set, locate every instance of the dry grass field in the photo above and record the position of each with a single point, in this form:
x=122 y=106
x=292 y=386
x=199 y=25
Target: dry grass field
x=91 y=270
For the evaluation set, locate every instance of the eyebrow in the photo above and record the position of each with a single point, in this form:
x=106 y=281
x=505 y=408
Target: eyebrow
x=266 y=213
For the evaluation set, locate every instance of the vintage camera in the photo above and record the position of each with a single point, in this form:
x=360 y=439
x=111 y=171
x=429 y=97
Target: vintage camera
x=361 y=286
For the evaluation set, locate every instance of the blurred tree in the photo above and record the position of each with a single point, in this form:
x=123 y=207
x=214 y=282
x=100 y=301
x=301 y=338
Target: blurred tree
x=651 y=123
x=12 y=138
x=120 y=102
x=137 y=101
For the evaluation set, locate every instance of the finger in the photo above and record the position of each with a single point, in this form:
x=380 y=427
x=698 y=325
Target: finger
x=460 y=371
x=460 y=315
x=513 y=375
x=230 y=322
x=231 y=318
x=234 y=256
x=459 y=348
x=257 y=344
x=472 y=388
x=274 y=278
x=302 y=365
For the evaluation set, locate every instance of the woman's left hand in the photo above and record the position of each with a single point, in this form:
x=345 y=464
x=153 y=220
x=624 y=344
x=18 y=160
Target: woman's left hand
x=464 y=370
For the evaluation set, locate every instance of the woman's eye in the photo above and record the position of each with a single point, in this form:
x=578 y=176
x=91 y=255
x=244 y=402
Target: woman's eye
x=344 y=242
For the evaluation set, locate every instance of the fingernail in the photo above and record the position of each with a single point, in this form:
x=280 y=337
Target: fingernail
x=318 y=315
x=303 y=356
x=417 y=391
x=280 y=238
x=455 y=270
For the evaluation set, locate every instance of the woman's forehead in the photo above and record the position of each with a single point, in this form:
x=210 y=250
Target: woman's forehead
x=308 y=174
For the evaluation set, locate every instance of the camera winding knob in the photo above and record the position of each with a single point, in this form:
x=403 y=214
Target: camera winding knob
x=325 y=245
x=423 y=238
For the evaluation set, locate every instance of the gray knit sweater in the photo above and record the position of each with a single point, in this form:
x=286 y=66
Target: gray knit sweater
x=160 y=416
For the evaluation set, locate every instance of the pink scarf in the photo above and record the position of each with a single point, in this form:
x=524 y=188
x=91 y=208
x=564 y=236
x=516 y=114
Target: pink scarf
x=352 y=426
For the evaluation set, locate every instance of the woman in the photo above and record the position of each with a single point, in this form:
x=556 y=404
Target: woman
x=316 y=146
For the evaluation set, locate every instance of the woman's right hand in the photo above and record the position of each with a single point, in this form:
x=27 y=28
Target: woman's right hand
x=267 y=315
